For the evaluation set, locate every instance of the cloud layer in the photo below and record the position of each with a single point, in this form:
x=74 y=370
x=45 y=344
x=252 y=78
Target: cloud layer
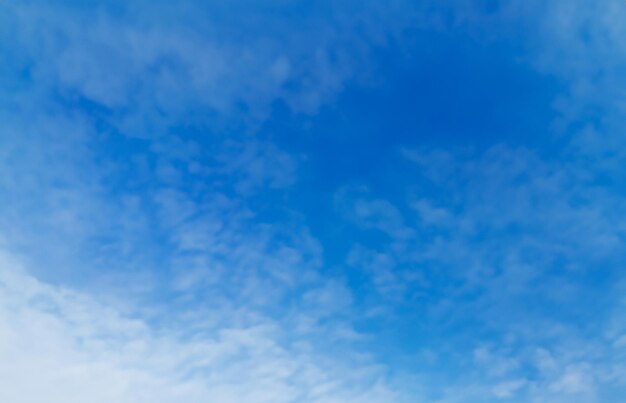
x=210 y=202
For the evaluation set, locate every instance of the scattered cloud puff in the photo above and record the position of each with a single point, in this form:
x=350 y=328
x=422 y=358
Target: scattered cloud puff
x=511 y=249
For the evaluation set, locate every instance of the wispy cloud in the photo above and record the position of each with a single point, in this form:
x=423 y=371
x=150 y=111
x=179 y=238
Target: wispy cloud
x=521 y=237
x=60 y=345
x=164 y=240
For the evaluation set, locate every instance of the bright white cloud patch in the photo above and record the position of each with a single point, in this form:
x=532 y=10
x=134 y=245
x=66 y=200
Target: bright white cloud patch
x=58 y=345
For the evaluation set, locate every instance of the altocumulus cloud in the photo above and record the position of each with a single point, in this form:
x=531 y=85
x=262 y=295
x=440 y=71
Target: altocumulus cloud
x=164 y=281
x=200 y=203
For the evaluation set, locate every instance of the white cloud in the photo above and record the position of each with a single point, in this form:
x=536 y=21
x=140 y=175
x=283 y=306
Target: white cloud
x=58 y=345
x=133 y=61
x=575 y=379
x=432 y=215
x=254 y=165
x=523 y=234
x=508 y=389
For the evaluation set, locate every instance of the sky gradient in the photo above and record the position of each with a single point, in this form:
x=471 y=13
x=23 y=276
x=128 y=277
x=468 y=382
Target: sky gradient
x=312 y=202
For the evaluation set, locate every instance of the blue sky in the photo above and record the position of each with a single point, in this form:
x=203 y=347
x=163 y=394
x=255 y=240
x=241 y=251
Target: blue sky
x=317 y=202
